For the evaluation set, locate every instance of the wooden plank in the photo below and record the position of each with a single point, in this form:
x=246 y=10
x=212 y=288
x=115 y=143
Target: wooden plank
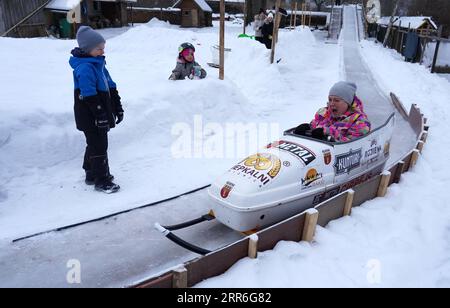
x=309 y=227
x=288 y=230
x=331 y=209
x=398 y=173
x=164 y=281
x=366 y=191
x=216 y=263
x=424 y=136
x=407 y=160
x=222 y=41
x=276 y=24
x=253 y=246
x=348 y=202
x=415 y=119
x=384 y=182
x=420 y=145
x=393 y=170
x=399 y=106
x=180 y=278
x=414 y=158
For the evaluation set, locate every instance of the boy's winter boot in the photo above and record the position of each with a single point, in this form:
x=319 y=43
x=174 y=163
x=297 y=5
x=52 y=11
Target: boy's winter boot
x=103 y=180
x=106 y=186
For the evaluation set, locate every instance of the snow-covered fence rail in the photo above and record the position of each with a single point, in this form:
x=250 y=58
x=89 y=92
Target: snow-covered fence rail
x=299 y=227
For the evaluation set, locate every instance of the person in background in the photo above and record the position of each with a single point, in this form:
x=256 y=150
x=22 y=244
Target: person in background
x=97 y=106
x=342 y=120
x=186 y=65
x=259 y=22
x=267 y=31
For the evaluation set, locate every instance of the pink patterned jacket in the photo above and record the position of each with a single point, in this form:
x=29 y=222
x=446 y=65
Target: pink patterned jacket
x=352 y=124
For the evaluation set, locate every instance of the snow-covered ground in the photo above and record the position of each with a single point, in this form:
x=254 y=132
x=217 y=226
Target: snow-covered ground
x=41 y=180
x=402 y=240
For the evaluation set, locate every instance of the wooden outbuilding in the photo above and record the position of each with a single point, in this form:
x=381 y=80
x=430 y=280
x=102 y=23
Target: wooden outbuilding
x=194 y=13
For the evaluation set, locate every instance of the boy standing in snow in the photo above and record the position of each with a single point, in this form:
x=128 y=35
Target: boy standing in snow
x=97 y=106
x=186 y=65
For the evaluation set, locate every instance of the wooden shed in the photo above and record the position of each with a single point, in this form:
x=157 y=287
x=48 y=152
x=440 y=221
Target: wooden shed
x=22 y=18
x=194 y=13
x=421 y=24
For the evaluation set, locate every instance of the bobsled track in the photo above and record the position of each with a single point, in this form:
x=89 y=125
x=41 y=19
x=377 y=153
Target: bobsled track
x=125 y=250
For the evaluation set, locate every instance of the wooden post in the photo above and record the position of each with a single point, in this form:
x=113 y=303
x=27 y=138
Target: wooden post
x=414 y=158
x=253 y=246
x=132 y=18
x=349 y=202
x=382 y=189
x=222 y=41
x=436 y=51
x=295 y=15
x=245 y=14
x=422 y=49
x=391 y=22
x=397 y=45
x=399 y=171
x=275 y=31
x=292 y=16
x=420 y=145
x=303 y=15
x=310 y=14
x=310 y=225
x=424 y=136
x=179 y=279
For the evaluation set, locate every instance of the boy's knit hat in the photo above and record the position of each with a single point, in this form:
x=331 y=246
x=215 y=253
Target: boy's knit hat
x=88 y=39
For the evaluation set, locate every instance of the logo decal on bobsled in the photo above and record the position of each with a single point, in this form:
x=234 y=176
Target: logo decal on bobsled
x=225 y=191
x=326 y=156
x=299 y=151
x=311 y=179
x=262 y=166
x=348 y=161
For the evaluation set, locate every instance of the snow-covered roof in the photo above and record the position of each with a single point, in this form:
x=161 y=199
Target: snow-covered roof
x=201 y=3
x=414 y=21
x=63 y=5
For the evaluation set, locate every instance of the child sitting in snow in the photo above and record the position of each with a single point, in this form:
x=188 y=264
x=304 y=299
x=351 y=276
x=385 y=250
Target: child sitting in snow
x=186 y=65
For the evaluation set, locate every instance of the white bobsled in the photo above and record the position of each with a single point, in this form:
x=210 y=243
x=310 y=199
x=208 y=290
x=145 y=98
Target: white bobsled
x=293 y=174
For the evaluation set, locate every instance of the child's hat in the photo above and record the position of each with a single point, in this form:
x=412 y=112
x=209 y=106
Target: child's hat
x=88 y=39
x=185 y=46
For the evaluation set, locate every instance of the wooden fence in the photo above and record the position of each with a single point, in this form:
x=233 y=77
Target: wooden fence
x=13 y=11
x=300 y=227
x=398 y=38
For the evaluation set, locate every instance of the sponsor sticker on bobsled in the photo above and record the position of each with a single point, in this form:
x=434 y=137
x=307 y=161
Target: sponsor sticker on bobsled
x=297 y=150
x=263 y=167
x=348 y=161
x=225 y=191
x=312 y=178
x=326 y=156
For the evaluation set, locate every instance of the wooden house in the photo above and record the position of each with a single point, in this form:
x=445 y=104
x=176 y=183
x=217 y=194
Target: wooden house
x=194 y=13
x=421 y=24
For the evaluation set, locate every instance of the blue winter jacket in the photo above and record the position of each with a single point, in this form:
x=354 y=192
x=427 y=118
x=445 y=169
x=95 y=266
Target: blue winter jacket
x=94 y=91
x=90 y=75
